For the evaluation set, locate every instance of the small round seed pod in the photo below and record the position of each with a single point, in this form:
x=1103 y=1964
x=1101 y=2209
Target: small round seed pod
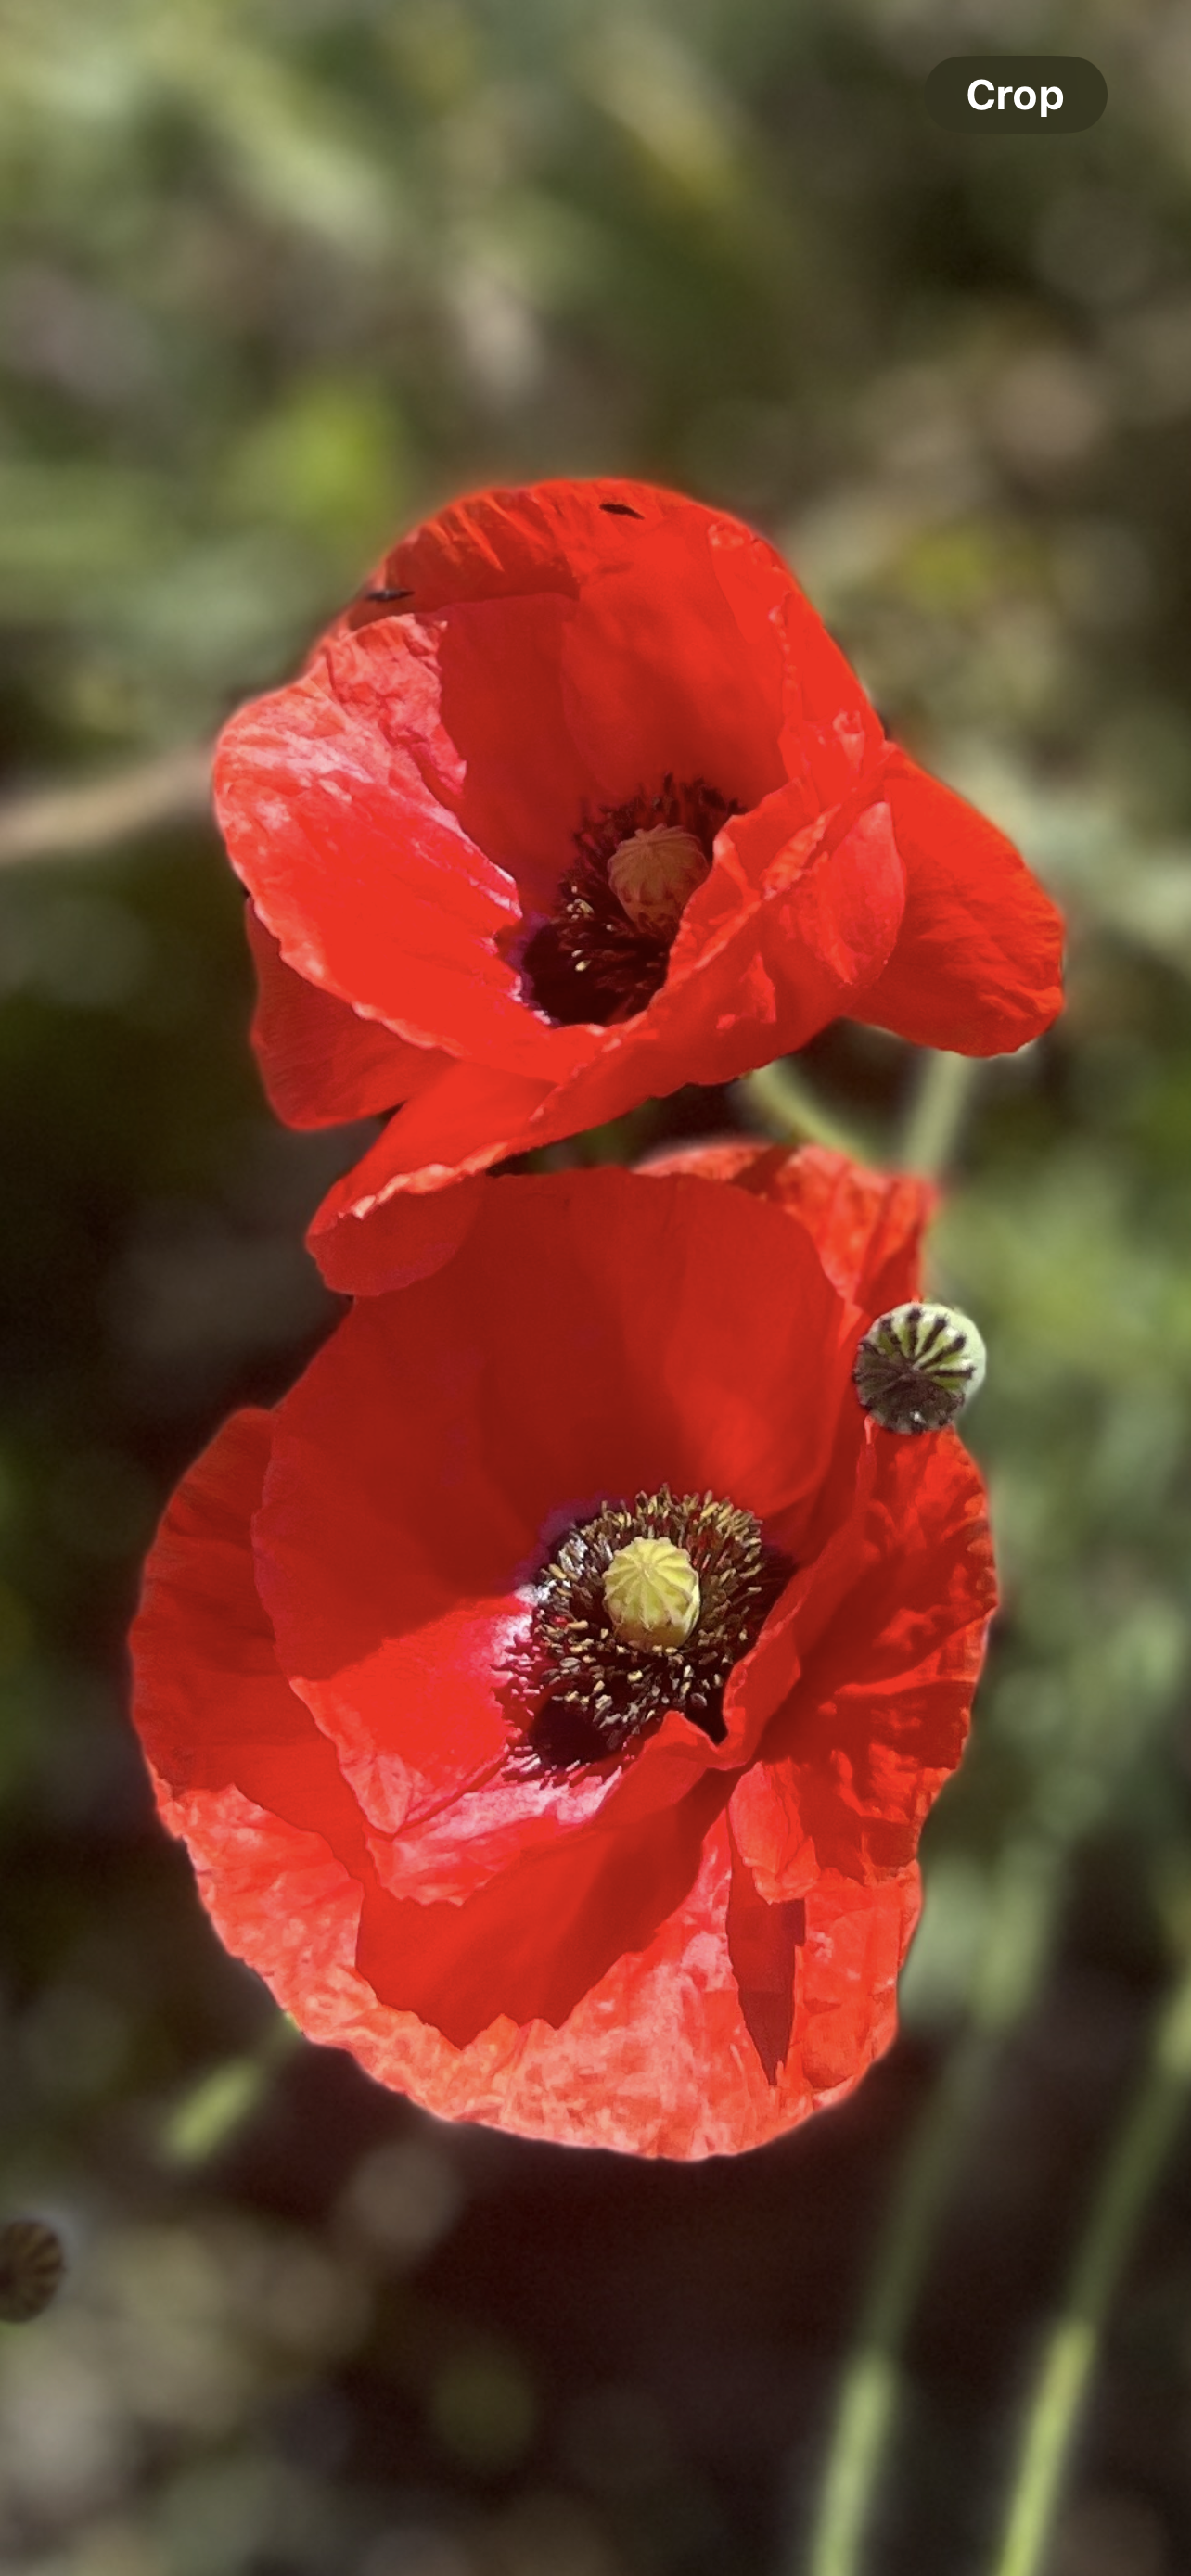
x=31 y=2267
x=918 y=1366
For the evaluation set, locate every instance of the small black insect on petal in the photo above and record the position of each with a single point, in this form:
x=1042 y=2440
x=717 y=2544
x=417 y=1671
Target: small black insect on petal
x=621 y=510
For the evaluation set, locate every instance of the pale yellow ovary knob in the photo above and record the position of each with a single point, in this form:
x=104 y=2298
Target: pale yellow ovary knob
x=654 y=874
x=651 y=1593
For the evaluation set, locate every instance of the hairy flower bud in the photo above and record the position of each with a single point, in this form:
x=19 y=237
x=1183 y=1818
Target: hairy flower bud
x=651 y=1593
x=918 y=1366
x=654 y=874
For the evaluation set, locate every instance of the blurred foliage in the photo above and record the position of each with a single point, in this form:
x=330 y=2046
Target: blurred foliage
x=276 y=278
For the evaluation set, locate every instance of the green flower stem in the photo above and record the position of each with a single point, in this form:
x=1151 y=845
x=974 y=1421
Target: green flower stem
x=1017 y=1941
x=872 y=2377
x=780 y=1101
x=934 y=1121
x=1131 y=2170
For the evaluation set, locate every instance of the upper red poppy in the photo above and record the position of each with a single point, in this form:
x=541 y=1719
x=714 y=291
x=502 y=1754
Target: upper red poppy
x=646 y=1889
x=579 y=804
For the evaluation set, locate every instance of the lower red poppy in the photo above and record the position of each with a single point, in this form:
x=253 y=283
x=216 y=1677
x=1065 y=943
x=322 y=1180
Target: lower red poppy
x=551 y=1690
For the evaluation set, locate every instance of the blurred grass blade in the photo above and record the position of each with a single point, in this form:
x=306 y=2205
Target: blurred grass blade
x=147 y=796
x=872 y=2378
x=1129 y=2177
x=213 y=2111
x=1017 y=1942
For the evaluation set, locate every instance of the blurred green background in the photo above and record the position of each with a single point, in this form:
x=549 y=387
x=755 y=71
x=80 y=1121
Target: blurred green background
x=280 y=275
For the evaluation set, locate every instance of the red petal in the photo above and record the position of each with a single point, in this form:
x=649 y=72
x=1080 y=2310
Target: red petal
x=656 y=2060
x=335 y=798
x=322 y=1061
x=978 y=963
x=362 y=1253
x=757 y=982
x=763 y=1945
x=603 y=1895
x=659 y=2056
x=770 y=1832
x=775 y=941
x=851 y=1959
x=659 y=674
x=866 y=1226
x=524 y=781
x=548 y=1367
x=534 y=537
x=402 y=814
x=878 y=1717
x=469 y=1119
x=213 y=1708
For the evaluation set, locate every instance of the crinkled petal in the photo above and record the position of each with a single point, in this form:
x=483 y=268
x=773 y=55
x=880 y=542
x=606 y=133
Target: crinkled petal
x=602 y=1894
x=780 y=962
x=469 y=1119
x=764 y=1942
x=403 y=816
x=867 y=1226
x=685 y=1335
x=854 y=1950
x=655 y=2060
x=661 y=2054
x=978 y=962
x=322 y=1061
x=213 y=1708
x=337 y=799
x=878 y=1716
x=320 y=1635
x=516 y=539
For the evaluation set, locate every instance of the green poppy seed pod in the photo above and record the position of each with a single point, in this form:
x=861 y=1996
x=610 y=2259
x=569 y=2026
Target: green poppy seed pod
x=918 y=1366
x=31 y=2266
x=654 y=874
x=651 y=1593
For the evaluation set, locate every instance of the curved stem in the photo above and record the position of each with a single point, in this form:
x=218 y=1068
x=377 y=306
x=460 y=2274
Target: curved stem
x=786 y=1107
x=1130 y=2172
x=783 y=1104
x=1018 y=1937
x=934 y=1121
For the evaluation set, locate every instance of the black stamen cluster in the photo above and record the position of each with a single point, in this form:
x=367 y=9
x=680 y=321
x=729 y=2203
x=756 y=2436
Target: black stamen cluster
x=589 y=1693
x=589 y=961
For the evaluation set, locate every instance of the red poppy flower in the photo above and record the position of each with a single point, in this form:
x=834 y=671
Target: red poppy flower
x=552 y=1688
x=579 y=804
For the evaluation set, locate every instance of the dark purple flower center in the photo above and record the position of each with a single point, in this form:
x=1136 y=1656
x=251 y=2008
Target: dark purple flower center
x=579 y=1689
x=592 y=960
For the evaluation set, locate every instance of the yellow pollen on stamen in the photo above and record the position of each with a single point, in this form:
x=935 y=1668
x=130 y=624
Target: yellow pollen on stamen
x=651 y=1593
x=654 y=874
